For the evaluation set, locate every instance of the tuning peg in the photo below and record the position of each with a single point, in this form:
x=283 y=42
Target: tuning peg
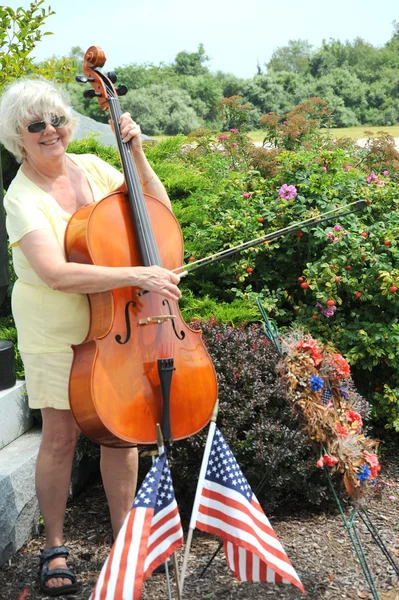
x=121 y=89
x=88 y=94
x=81 y=78
x=112 y=76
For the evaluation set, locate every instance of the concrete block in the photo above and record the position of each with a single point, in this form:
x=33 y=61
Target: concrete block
x=19 y=510
x=16 y=417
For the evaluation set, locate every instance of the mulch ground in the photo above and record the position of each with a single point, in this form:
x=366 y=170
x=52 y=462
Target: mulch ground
x=318 y=546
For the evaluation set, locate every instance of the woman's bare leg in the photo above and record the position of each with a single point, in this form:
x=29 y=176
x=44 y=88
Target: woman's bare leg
x=53 y=475
x=119 y=473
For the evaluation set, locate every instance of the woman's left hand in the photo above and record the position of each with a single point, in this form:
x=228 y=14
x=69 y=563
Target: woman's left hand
x=130 y=131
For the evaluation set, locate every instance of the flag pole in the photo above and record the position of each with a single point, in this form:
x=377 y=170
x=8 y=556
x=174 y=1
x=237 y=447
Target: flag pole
x=197 y=498
x=161 y=450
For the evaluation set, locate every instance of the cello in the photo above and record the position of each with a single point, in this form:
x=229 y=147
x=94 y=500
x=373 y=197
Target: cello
x=140 y=364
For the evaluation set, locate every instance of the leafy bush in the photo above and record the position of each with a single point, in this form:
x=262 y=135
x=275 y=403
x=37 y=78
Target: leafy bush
x=256 y=421
x=8 y=332
x=351 y=263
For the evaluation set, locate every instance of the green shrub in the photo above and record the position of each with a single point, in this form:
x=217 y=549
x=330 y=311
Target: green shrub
x=238 y=203
x=8 y=332
x=256 y=421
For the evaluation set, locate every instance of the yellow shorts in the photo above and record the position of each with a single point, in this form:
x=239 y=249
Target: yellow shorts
x=47 y=379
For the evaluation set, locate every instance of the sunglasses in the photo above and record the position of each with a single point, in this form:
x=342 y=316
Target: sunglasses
x=38 y=126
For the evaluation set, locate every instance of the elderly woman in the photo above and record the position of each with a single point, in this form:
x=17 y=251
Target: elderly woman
x=49 y=299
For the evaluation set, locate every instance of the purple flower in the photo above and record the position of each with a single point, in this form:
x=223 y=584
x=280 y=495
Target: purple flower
x=371 y=177
x=246 y=194
x=337 y=227
x=386 y=173
x=234 y=130
x=288 y=192
x=327 y=311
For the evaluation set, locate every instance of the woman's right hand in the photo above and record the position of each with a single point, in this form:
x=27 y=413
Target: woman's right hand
x=158 y=280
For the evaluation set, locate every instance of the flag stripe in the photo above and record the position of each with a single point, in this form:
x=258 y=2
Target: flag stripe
x=237 y=503
x=239 y=523
x=151 y=532
x=242 y=521
x=228 y=508
x=222 y=532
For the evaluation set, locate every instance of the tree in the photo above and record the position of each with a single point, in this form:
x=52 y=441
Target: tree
x=20 y=31
x=19 y=34
x=191 y=63
x=160 y=110
x=294 y=57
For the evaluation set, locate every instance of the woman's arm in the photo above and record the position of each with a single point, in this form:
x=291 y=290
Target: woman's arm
x=42 y=250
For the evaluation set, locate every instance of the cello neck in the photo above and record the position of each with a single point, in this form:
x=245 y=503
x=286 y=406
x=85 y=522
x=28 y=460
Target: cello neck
x=137 y=203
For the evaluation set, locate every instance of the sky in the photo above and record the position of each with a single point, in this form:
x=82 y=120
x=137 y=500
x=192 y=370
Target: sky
x=237 y=34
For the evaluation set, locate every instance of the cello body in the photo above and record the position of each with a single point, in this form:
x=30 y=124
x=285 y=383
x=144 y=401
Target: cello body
x=115 y=387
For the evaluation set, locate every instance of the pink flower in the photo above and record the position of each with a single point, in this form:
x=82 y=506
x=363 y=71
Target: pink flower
x=234 y=130
x=371 y=177
x=348 y=167
x=234 y=145
x=320 y=463
x=288 y=192
x=386 y=173
x=392 y=498
x=337 y=227
x=220 y=150
x=324 y=168
x=222 y=137
x=285 y=122
x=246 y=194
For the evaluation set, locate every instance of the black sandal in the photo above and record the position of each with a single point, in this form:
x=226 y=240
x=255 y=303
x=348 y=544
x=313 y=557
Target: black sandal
x=45 y=573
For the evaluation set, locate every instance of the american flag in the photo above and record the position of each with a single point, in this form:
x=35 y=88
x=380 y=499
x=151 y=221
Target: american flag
x=229 y=509
x=151 y=532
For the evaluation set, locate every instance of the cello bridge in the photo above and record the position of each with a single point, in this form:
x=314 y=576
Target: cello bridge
x=156 y=320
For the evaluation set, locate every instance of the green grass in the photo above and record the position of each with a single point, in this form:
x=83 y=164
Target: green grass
x=352 y=132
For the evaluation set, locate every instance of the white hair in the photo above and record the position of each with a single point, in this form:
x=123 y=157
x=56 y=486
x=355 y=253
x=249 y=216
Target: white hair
x=30 y=99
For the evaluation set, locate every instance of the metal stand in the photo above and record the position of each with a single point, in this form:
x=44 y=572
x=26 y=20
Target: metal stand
x=361 y=512
x=354 y=535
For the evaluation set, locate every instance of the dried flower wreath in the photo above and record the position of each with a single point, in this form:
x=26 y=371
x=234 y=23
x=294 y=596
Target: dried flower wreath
x=319 y=384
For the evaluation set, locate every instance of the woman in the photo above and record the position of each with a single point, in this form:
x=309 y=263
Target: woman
x=49 y=298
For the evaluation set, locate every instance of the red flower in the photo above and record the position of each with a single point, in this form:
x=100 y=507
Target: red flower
x=313 y=348
x=341 y=367
x=354 y=417
x=371 y=458
x=328 y=460
x=342 y=431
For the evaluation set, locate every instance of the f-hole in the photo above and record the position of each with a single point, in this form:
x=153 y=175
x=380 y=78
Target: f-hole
x=182 y=334
x=118 y=338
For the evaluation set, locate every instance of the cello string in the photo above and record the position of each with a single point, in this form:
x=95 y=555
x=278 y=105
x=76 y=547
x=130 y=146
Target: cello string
x=167 y=349
x=142 y=222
